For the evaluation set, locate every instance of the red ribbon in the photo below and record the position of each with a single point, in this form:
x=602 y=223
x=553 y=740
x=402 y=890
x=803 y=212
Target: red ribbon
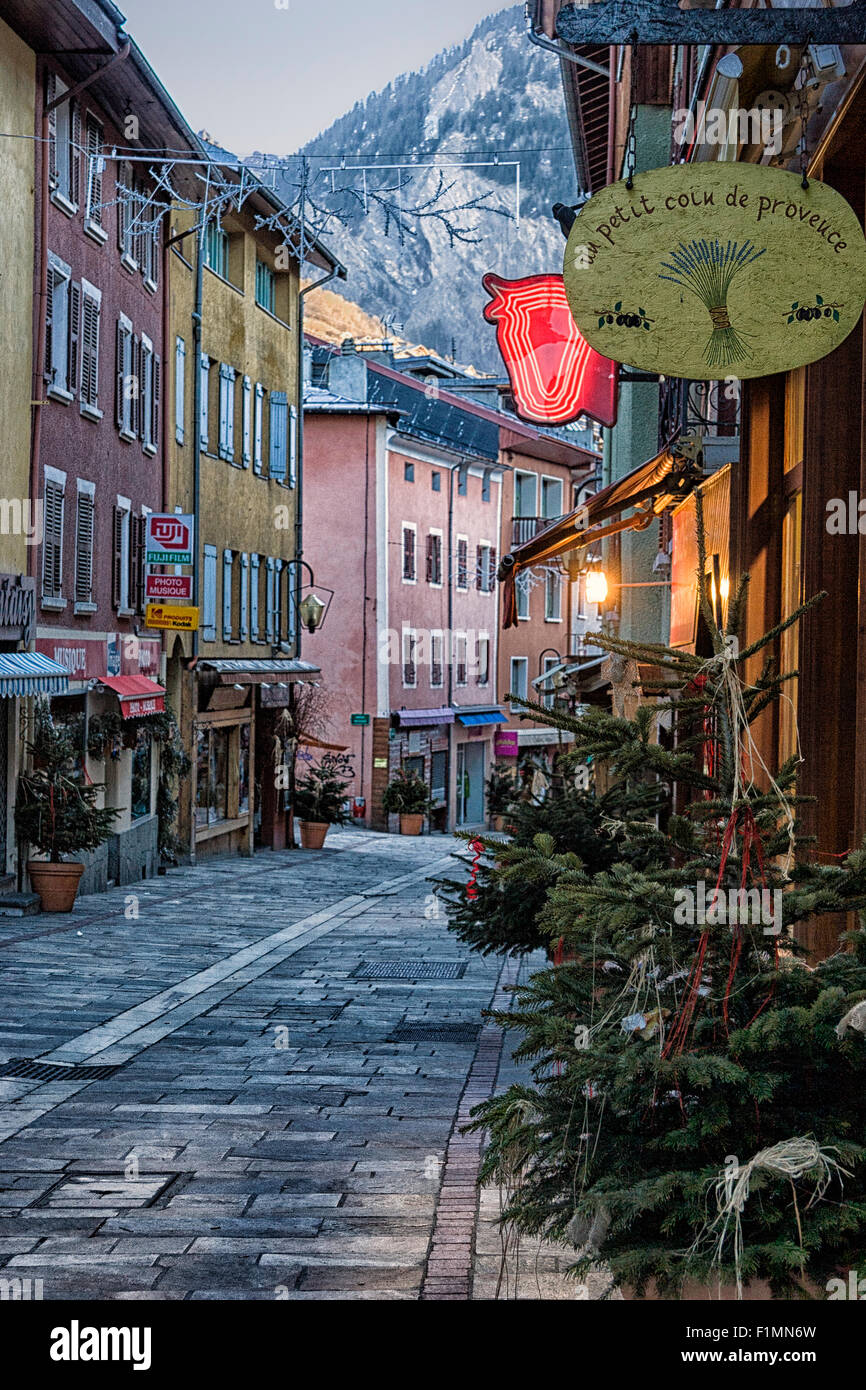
x=477 y=846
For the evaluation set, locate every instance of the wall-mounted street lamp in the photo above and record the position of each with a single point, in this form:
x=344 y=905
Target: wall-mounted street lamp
x=312 y=610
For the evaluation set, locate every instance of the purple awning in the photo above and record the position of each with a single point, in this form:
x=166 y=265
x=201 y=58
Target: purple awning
x=422 y=718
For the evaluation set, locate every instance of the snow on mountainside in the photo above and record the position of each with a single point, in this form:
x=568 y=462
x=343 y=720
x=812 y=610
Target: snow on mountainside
x=494 y=93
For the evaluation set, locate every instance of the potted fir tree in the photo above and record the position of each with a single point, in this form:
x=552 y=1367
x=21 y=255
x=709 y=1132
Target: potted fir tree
x=320 y=799
x=407 y=796
x=56 y=813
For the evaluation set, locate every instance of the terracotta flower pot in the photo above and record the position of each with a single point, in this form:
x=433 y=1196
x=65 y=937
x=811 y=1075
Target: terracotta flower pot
x=499 y=824
x=56 y=884
x=313 y=833
x=411 y=825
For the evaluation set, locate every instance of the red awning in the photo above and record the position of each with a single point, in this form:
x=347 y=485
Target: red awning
x=138 y=695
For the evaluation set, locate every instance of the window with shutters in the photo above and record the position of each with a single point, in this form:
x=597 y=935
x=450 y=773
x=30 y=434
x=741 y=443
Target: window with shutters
x=84 y=519
x=462 y=562
x=265 y=287
x=209 y=594
x=552 y=597
x=120 y=558
x=485 y=568
x=521 y=595
x=62 y=329
x=204 y=368
x=255 y=583
x=246 y=421
x=483 y=677
x=150 y=391
x=410 y=669
x=463 y=480
x=216 y=250
x=437 y=660
x=52 y=542
x=179 y=388
x=485 y=486
x=258 y=427
x=94 y=168
x=91 y=308
x=434 y=559
x=151 y=246
x=64 y=142
x=126 y=379
x=461 y=675
x=409 y=569
x=519 y=681
x=137 y=525
x=127 y=210
x=278 y=424
x=228 y=597
x=244 y=598
x=227 y=413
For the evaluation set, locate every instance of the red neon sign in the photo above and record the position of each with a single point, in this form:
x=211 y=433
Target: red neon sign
x=555 y=375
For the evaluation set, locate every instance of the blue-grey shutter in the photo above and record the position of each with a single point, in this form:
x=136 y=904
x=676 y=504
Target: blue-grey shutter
x=209 y=596
x=245 y=596
x=254 y=598
x=269 y=602
x=246 y=422
x=279 y=432
x=227 y=595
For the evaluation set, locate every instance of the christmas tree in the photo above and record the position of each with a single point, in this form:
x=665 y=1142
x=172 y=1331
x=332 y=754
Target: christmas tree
x=697 y=1110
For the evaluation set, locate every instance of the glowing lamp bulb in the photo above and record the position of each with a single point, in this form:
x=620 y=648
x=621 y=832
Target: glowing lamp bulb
x=596 y=586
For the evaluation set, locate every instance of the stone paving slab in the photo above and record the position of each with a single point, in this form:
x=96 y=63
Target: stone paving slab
x=262 y=1137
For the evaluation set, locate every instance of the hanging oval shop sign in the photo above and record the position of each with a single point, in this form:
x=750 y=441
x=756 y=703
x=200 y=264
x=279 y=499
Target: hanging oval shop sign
x=714 y=270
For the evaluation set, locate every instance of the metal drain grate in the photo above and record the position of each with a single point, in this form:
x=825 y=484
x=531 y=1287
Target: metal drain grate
x=454 y=1034
x=411 y=970
x=28 y=1070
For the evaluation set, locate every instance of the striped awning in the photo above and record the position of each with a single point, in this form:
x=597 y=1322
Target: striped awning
x=31 y=673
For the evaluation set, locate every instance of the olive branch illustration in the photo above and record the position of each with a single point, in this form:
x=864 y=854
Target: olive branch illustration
x=706 y=269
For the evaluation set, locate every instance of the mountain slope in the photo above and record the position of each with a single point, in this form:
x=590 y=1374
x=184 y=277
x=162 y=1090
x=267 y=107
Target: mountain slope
x=495 y=92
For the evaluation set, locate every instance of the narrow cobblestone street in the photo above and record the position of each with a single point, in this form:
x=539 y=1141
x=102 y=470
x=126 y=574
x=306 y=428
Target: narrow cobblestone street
x=275 y=1127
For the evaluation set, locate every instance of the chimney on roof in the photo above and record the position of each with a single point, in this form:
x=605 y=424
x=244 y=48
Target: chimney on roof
x=347 y=376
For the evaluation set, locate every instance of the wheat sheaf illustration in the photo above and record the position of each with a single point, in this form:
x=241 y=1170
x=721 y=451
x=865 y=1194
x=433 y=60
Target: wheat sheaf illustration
x=707 y=269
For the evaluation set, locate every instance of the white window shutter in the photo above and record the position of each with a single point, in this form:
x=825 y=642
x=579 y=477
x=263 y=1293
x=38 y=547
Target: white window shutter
x=293 y=446
x=179 y=388
x=246 y=422
x=209 y=596
x=258 y=427
x=205 y=380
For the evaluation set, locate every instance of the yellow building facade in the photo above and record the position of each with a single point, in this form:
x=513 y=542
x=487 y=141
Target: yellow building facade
x=232 y=419
x=20 y=511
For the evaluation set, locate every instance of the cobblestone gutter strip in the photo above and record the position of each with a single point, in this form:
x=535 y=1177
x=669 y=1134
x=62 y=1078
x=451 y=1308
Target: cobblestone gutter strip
x=448 y=1274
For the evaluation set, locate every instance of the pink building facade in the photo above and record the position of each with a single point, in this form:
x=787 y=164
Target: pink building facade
x=409 y=505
